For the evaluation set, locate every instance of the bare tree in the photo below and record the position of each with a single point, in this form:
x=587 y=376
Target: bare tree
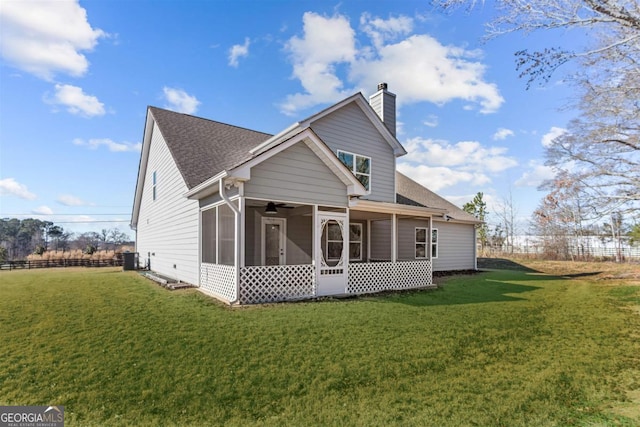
x=601 y=150
x=507 y=214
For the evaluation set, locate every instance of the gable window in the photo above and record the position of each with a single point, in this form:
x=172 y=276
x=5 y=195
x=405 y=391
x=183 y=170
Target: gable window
x=421 y=242
x=154 y=185
x=434 y=243
x=355 y=242
x=359 y=165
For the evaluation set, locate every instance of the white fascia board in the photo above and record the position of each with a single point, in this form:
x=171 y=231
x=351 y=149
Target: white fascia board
x=393 y=208
x=142 y=168
x=275 y=140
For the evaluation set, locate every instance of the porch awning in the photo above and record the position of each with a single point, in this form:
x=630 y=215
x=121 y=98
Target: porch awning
x=394 y=208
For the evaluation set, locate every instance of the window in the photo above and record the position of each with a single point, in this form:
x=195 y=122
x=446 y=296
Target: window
x=154 y=185
x=434 y=243
x=218 y=235
x=209 y=236
x=421 y=242
x=359 y=165
x=334 y=241
x=355 y=242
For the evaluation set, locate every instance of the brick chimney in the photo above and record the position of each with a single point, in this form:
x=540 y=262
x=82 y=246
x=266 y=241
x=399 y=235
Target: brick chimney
x=383 y=103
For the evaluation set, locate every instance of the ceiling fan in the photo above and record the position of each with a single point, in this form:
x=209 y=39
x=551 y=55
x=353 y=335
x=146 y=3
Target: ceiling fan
x=272 y=208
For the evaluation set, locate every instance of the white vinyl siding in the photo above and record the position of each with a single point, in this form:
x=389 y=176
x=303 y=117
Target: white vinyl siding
x=296 y=175
x=167 y=230
x=348 y=129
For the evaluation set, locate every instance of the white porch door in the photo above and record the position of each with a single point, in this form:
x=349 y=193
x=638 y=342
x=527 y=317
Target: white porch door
x=274 y=232
x=331 y=253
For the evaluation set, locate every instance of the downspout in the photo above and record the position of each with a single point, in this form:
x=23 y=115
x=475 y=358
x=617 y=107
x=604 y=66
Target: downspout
x=236 y=241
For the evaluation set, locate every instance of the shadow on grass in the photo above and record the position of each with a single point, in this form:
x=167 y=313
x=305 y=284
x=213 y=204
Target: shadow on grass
x=502 y=264
x=479 y=288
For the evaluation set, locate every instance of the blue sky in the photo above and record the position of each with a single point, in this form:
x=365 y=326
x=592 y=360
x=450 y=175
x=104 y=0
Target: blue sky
x=76 y=78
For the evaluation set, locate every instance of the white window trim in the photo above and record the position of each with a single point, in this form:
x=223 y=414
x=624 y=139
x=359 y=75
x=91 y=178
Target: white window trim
x=360 y=242
x=353 y=167
x=436 y=243
x=425 y=243
x=154 y=183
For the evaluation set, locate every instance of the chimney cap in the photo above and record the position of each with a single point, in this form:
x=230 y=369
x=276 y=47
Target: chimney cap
x=382 y=86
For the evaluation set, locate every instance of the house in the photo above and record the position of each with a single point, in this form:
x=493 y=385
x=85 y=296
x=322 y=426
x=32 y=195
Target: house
x=315 y=210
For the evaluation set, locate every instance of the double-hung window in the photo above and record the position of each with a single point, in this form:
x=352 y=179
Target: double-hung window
x=355 y=242
x=422 y=244
x=359 y=165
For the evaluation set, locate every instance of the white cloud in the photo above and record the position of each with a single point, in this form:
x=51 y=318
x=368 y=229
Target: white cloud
x=502 y=133
x=437 y=178
x=466 y=155
x=536 y=174
x=180 y=101
x=554 y=132
x=327 y=42
x=76 y=101
x=47 y=37
x=431 y=121
x=95 y=143
x=418 y=68
x=238 y=51
x=11 y=187
x=69 y=200
x=438 y=164
x=381 y=30
x=42 y=210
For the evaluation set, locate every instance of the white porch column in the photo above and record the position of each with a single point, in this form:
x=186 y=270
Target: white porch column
x=394 y=237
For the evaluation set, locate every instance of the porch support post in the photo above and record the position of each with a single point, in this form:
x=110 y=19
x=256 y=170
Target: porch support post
x=236 y=241
x=394 y=237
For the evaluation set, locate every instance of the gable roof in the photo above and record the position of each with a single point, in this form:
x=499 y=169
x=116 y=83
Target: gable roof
x=360 y=101
x=201 y=147
x=411 y=193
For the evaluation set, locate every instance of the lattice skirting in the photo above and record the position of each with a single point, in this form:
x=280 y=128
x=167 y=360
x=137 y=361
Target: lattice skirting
x=219 y=281
x=260 y=284
x=383 y=276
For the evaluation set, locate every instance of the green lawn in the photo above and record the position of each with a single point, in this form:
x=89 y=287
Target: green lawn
x=494 y=349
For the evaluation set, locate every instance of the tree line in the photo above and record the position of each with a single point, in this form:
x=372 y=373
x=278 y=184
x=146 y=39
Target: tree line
x=22 y=237
x=561 y=224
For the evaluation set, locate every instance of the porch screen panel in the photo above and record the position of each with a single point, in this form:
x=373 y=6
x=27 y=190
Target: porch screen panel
x=226 y=234
x=209 y=236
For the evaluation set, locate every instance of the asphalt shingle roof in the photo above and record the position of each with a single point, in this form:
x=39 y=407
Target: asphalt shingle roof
x=203 y=148
x=411 y=193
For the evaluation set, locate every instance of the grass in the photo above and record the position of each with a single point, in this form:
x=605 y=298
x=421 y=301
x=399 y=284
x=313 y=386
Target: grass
x=503 y=348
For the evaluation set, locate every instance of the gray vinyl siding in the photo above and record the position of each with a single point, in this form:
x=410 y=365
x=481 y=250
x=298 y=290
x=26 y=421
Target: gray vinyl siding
x=386 y=101
x=299 y=240
x=381 y=240
x=348 y=129
x=456 y=247
x=167 y=232
x=407 y=237
x=296 y=175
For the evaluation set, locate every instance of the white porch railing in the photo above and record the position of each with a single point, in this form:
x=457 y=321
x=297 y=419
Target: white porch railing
x=373 y=277
x=219 y=281
x=259 y=284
